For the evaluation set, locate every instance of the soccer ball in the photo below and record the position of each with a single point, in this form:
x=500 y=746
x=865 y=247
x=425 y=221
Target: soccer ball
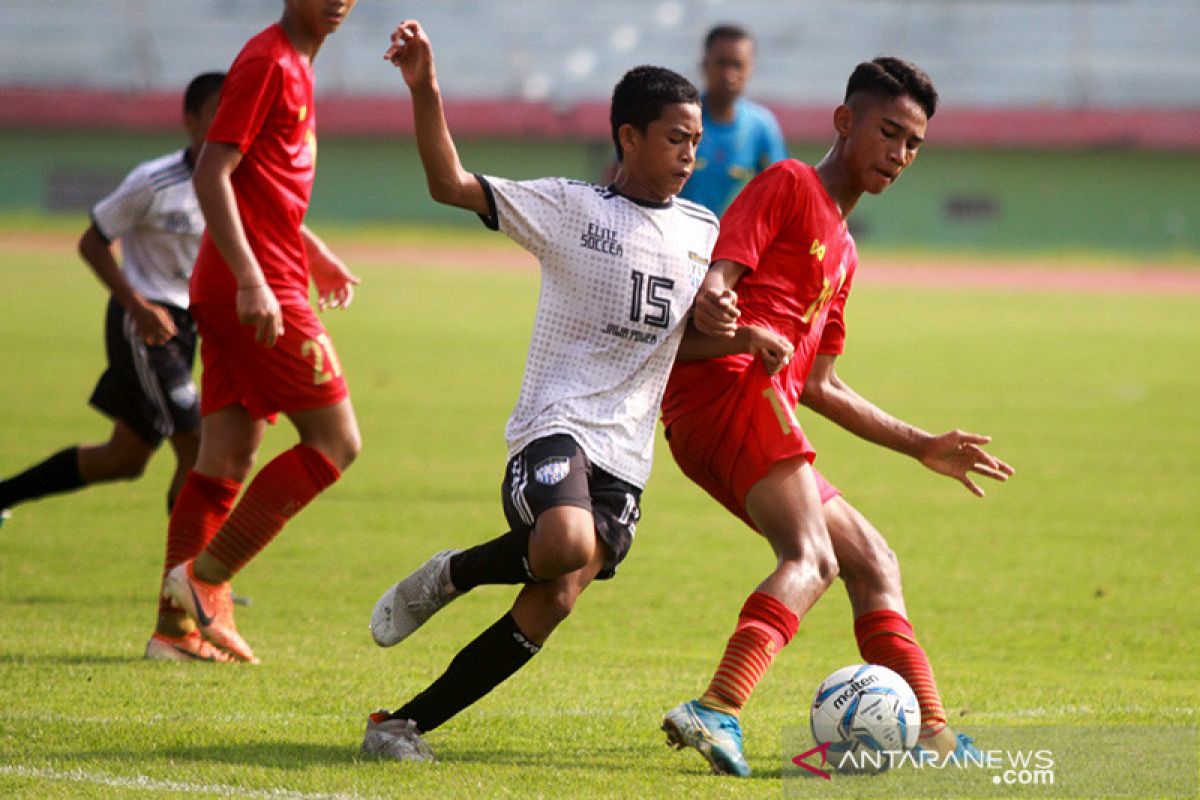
x=868 y=715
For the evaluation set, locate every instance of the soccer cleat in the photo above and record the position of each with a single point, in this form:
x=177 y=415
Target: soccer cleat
x=965 y=754
x=717 y=736
x=210 y=606
x=410 y=603
x=5 y=515
x=394 y=738
x=191 y=647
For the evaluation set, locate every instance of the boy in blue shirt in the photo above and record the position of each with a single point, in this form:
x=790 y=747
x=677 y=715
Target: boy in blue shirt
x=741 y=138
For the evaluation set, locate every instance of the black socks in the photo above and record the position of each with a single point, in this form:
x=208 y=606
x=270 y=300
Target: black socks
x=504 y=559
x=478 y=668
x=58 y=473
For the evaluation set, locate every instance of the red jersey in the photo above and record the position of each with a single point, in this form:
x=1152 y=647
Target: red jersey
x=266 y=111
x=801 y=259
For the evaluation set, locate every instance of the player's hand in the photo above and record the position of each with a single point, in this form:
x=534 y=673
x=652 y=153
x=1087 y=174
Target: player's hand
x=334 y=281
x=258 y=306
x=958 y=453
x=412 y=53
x=775 y=350
x=153 y=322
x=715 y=313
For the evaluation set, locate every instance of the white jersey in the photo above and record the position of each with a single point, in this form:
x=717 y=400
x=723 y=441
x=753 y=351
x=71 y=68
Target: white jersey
x=155 y=214
x=618 y=278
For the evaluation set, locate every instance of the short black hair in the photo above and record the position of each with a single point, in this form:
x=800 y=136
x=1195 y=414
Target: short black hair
x=641 y=95
x=890 y=77
x=200 y=89
x=734 y=32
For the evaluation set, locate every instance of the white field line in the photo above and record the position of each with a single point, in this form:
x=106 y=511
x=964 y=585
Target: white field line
x=148 y=784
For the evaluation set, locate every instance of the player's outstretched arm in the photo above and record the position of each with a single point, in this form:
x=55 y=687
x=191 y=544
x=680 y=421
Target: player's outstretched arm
x=448 y=182
x=956 y=454
x=334 y=281
x=256 y=303
x=154 y=324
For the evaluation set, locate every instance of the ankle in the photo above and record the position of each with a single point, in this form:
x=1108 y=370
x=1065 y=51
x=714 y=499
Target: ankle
x=942 y=741
x=174 y=624
x=208 y=569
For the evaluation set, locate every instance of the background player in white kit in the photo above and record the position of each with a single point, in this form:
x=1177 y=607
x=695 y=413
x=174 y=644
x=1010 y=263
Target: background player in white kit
x=147 y=389
x=620 y=267
x=150 y=339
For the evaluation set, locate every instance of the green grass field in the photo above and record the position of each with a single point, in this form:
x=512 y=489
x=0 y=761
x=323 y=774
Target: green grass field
x=1069 y=597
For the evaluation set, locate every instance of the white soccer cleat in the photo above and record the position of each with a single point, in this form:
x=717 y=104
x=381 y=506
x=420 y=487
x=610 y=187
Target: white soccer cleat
x=410 y=603
x=398 y=739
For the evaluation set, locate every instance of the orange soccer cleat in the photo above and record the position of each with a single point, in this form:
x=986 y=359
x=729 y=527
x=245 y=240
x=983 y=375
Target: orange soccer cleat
x=191 y=647
x=211 y=606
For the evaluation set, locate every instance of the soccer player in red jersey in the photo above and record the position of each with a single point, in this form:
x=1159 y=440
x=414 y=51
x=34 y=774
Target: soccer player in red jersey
x=767 y=329
x=263 y=349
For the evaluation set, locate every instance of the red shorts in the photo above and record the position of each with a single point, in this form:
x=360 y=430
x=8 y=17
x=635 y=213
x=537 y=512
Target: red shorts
x=731 y=445
x=301 y=372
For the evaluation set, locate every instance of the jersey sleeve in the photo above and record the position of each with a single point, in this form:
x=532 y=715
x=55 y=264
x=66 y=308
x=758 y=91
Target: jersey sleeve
x=247 y=96
x=758 y=214
x=120 y=212
x=528 y=212
x=772 y=146
x=833 y=335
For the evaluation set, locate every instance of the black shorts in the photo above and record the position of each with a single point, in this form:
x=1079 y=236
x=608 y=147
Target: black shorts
x=149 y=387
x=554 y=471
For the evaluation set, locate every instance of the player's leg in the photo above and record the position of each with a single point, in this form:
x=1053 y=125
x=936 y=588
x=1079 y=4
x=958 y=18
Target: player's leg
x=185 y=539
x=186 y=447
x=130 y=392
x=329 y=442
x=229 y=440
x=785 y=507
x=122 y=457
x=483 y=664
x=871 y=574
x=547 y=503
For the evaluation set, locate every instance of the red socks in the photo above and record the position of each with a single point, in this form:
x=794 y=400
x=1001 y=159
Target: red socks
x=201 y=508
x=764 y=627
x=281 y=488
x=886 y=637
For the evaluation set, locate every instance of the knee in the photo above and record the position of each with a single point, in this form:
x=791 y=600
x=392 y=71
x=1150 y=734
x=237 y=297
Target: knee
x=562 y=543
x=825 y=565
x=351 y=447
x=577 y=545
x=237 y=465
x=341 y=447
x=816 y=564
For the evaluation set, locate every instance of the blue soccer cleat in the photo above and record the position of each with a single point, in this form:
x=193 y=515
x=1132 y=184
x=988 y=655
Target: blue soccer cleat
x=717 y=736
x=965 y=754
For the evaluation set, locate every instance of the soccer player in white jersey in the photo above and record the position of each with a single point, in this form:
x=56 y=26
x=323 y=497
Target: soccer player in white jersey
x=620 y=266
x=147 y=389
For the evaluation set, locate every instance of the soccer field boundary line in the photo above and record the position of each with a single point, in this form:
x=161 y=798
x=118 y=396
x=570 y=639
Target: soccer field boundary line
x=147 y=784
